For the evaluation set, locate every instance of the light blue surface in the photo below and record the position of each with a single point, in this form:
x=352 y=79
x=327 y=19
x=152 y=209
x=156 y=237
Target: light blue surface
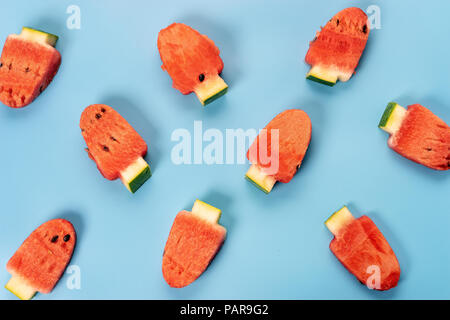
x=277 y=244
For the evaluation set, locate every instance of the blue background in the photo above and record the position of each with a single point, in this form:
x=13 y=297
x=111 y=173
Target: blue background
x=277 y=245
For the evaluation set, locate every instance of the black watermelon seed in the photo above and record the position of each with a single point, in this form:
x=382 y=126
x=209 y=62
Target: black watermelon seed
x=98 y=115
x=337 y=22
x=201 y=77
x=113 y=139
x=365 y=28
x=1 y=64
x=41 y=89
x=27 y=69
x=54 y=239
x=66 y=237
x=103 y=110
x=105 y=148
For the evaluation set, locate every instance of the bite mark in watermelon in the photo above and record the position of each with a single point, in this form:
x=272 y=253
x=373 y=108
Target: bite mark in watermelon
x=194 y=240
x=27 y=66
x=359 y=245
x=335 y=51
x=114 y=145
x=293 y=128
x=40 y=261
x=193 y=62
x=417 y=134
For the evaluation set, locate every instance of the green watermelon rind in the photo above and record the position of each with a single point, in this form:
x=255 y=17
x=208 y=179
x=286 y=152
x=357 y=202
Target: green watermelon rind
x=50 y=38
x=392 y=118
x=216 y=96
x=326 y=75
x=256 y=184
x=322 y=81
x=20 y=288
x=136 y=175
x=338 y=220
x=250 y=176
x=137 y=182
x=206 y=212
x=211 y=89
x=386 y=114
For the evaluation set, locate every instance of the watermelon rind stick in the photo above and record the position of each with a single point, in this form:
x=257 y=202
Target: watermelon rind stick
x=339 y=220
x=323 y=75
x=39 y=36
x=260 y=179
x=392 y=118
x=211 y=89
x=135 y=175
x=206 y=212
x=20 y=288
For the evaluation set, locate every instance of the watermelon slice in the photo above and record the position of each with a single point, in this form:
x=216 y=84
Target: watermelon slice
x=114 y=145
x=335 y=51
x=417 y=134
x=192 y=61
x=361 y=247
x=28 y=64
x=194 y=240
x=293 y=128
x=40 y=261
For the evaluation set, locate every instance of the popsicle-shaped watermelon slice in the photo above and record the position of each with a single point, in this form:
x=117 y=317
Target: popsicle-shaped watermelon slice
x=28 y=64
x=192 y=60
x=362 y=249
x=114 y=145
x=40 y=261
x=194 y=240
x=417 y=134
x=288 y=134
x=335 y=51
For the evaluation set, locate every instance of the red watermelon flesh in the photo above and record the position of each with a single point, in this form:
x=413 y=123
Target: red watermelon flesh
x=186 y=54
x=192 y=244
x=294 y=134
x=339 y=45
x=27 y=68
x=112 y=142
x=41 y=260
x=361 y=245
x=424 y=138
